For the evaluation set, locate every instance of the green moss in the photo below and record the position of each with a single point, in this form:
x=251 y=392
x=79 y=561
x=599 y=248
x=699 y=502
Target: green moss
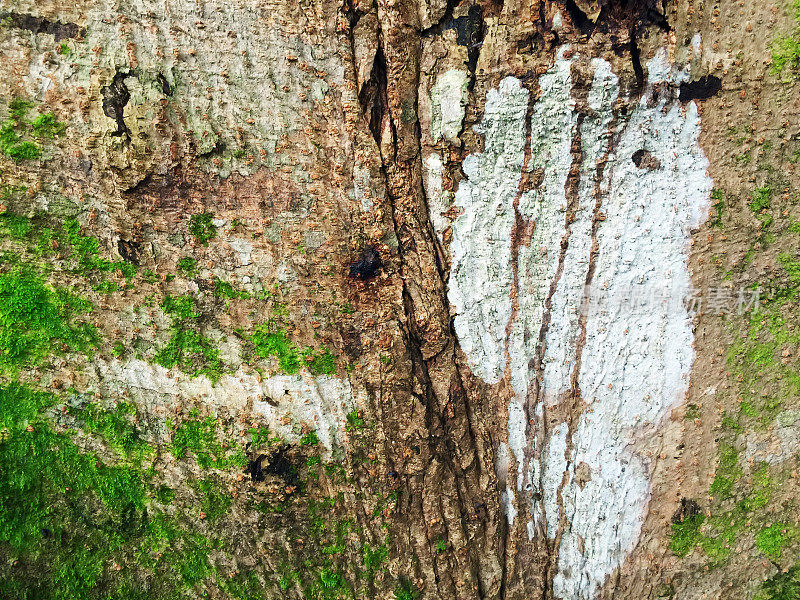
x=202 y=227
x=199 y=436
x=19 y=109
x=47 y=126
x=771 y=540
x=686 y=534
x=322 y=362
x=12 y=143
x=86 y=252
x=270 y=341
x=215 y=501
x=782 y=586
x=165 y=494
x=309 y=439
x=187 y=348
x=118 y=350
x=791 y=266
x=181 y=308
x=65 y=518
x=405 y=590
x=728 y=472
x=223 y=289
x=375 y=559
x=259 y=437
x=441 y=545
x=692 y=412
x=786 y=50
x=243 y=586
x=354 y=422
x=116 y=428
x=718 y=196
x=188 y=266
x=761 y=201
x=15 y=226
x=37 y=320
x=57 y=500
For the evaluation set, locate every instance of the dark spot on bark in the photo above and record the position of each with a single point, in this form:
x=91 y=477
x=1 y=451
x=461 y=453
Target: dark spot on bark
x=470 y=32
x=636 y=61
x=129 y=251
x=277 y=463
x=367 y=266
x=164 y=84
x=255 y=468
x=579 y=18
x=115 y=97
x=701 y=89
x=37 y=25
x=688 y=509
x=643 y=159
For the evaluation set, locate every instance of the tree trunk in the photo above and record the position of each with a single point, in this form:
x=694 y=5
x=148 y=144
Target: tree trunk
x=399 y=299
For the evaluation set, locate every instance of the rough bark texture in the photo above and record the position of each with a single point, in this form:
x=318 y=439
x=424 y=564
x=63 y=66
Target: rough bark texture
x=444 y=253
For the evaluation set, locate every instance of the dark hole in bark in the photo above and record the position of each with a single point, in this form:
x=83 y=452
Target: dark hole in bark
x=373 y=96
x=367 y=266
x=475 y=31
x=579 y=18
x=278 y=463
x=254 y=468
x=57 y=29
x=636 y=60
x=128 y=250
x=115 y=97
x=164 y=84
x=687 y=510
x=701 y=89
x=643 y=159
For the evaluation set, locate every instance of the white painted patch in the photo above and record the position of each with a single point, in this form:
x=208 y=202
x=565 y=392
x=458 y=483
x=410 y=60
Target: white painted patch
x=562 y=333
x=507 y=501
x=636 y=359
x=321 y=402
x=438 y=200
x=553 y=469
x=517 y=424
x=448 y=102
x=553 y=125
x=480 y=277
